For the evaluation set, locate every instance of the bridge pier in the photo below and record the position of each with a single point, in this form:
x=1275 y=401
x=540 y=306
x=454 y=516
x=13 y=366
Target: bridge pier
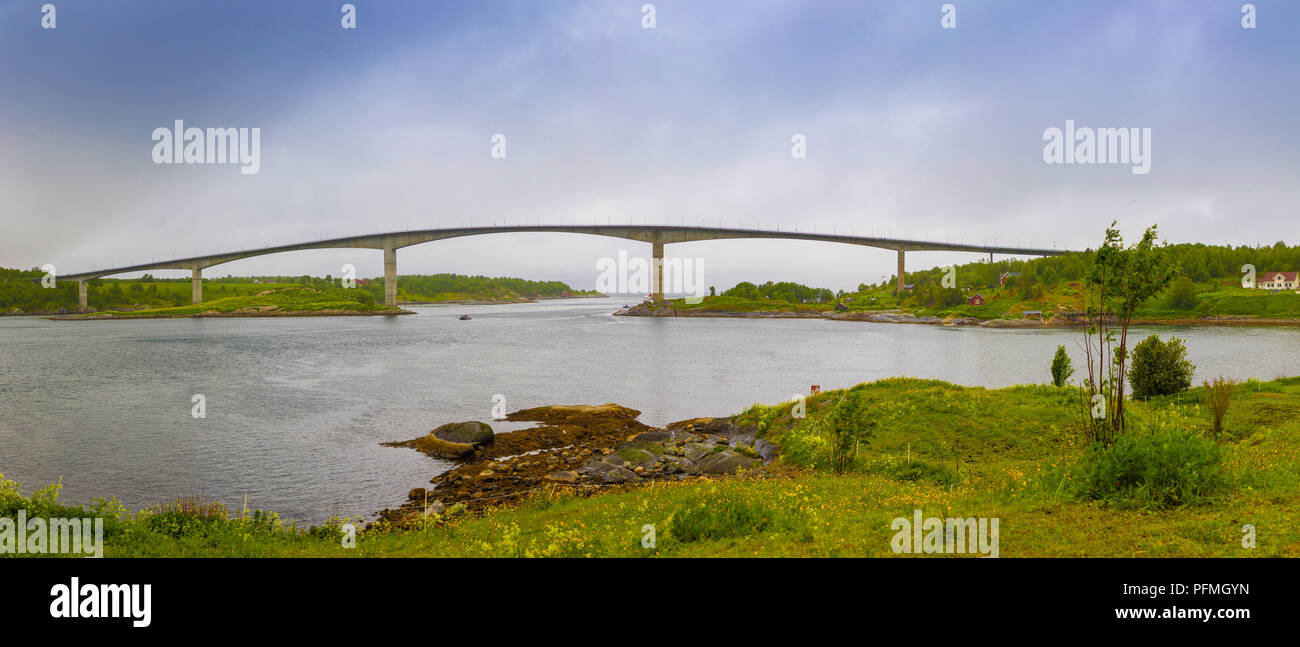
x=390 y=276
x=657 y=273
x=81 y=296
x=196 y=287
x=899 y=287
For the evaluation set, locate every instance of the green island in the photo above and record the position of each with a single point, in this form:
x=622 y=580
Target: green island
x=1208 y=290
x=290 y=301
x=948 y=450
x=21 y=293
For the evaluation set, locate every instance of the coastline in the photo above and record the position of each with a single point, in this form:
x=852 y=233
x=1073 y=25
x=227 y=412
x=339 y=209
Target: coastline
x=895 y=317
x=579 y=446
x=493 y=302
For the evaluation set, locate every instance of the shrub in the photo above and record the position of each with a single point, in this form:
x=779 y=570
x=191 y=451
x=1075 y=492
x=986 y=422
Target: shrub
x=1061 y=368
x=1159 y=469
x=1160 y=368
x=848 y=426
x=708 y=519
x=1181 y=295
x=913 y=471
x=1218 y=395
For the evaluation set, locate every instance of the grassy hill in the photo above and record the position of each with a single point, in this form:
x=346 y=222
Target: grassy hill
x=950 y=451
x=1209 y=285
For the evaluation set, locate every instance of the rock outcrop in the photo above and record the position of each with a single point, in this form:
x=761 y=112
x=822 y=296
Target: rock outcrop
x=578 y=446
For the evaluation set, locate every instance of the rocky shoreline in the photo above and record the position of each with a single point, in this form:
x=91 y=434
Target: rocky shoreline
x=581 y=447
x=665 y=309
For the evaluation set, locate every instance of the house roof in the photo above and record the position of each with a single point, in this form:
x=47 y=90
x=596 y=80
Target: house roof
x=977 y=294
x=1280 y=276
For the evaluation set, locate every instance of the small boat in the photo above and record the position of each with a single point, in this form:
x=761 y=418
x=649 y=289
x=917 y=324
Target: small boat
x=465 y=317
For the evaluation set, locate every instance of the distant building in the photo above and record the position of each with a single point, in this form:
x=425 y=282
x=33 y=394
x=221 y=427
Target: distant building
x=1070 y=314
x=976 y=299
x=1278 y=281
x=1032 y=314
x=1002 y=280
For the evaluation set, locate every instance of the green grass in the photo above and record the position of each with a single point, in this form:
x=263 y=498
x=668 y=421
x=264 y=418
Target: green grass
x=947 y=450
x=270 y=300
x=1218 y=299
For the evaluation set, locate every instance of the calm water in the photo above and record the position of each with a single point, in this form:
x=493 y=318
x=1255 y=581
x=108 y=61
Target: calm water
x=296 y=408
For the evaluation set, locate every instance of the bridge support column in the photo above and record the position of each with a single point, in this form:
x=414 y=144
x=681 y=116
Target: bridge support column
x=899 y=288
x=390 y=276
x=81 y=296
x=196 y=286
x=657 y=273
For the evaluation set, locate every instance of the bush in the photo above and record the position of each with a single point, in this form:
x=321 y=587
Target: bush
x=848 y=425
x=1159 y=469
x=1061 y=368
x=912 y=471
x=1218 y=395
x=709 y=519
x=1160 y=368
x=1181 y=295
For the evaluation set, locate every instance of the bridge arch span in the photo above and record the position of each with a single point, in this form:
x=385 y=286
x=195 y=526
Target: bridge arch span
x=656 y=235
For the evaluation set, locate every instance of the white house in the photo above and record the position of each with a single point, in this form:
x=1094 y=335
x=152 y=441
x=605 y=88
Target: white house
x=1278 y=281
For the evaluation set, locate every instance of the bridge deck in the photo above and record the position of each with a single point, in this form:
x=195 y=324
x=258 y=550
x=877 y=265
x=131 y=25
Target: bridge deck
x=661 y=234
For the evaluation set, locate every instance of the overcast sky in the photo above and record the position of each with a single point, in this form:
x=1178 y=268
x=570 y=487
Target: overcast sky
x=912 y=130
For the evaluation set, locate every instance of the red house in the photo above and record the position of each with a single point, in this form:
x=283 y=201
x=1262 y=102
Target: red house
x=976 y=299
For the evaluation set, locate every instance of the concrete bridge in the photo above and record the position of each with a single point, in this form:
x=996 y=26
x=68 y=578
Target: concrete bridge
x=656 y=235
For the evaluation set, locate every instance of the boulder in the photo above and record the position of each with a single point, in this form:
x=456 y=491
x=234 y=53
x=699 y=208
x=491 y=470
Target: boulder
x=563 y=476
x=439 y=448
x=478 y=434
x=726 y=461
x=620 y=475
x=697 y=451
x=661 y=436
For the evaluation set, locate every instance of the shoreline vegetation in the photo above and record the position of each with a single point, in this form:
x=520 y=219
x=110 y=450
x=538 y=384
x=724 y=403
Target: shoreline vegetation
x=1208 y=286
x=788 y=311
x=275 y=302
x=948 y=450
x=21 y=293
x=582 y=294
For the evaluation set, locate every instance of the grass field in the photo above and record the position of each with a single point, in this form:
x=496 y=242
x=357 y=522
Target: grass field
x=947 y=450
